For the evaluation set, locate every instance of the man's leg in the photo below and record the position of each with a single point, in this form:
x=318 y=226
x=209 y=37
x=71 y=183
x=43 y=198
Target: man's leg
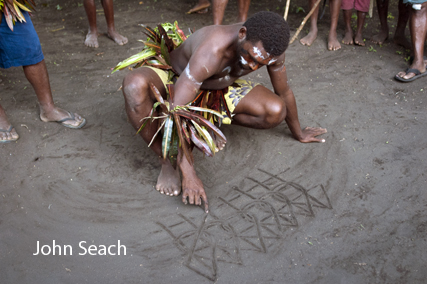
x=260 y=108
x=312 y=34
x=38 y=77
x=139 y=101
x=109 y=16
x=335 y=7
x=92 y=35
x=243 y=9
x=348 y=36
x=218 y=9
x=7 y=134
x=418 y=28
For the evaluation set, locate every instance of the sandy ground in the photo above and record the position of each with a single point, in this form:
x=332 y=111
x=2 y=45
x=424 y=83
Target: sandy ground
x=351 y=210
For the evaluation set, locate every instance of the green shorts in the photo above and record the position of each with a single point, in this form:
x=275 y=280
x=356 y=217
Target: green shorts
x=235 y=94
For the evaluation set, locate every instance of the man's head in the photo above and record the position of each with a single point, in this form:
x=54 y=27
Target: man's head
x=269 y=28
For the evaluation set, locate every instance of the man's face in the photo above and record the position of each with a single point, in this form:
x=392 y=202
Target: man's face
x=254 y=56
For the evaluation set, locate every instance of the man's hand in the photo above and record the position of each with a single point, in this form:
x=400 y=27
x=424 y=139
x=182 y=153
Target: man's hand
x=195 y=196
x=309 y=134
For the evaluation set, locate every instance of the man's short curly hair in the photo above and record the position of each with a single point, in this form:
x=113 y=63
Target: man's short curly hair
x=269 y=28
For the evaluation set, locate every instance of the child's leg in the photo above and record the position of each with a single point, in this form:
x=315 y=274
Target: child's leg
x=333 y=43
x=358 y=39
x=348 y=37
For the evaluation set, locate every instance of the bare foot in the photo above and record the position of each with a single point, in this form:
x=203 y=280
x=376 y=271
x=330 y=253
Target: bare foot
x=118 y=38
x=348 y=37
x=333 y=43
x=380 y=38
x=402 y=41
x=201 y=7
x=92 y=39
x=309 y=39
x=67 y=119
x=358 y=40
x=169 y=180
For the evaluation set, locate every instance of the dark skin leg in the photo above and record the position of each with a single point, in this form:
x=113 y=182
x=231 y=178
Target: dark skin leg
x=263 y=109
x=139 y=100
x=333 y=43
x=348 y=36
x=201 y=7
x=38 y=77
x=92 y=36
x=5 y=124
x=418 y=29
x=399 y=35
x=358 y=38
x=219 y=9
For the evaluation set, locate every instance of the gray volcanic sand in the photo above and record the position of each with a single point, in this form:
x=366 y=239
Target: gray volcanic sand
x=351 y=210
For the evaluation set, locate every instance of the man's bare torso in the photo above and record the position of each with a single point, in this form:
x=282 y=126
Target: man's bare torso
x=219 y=43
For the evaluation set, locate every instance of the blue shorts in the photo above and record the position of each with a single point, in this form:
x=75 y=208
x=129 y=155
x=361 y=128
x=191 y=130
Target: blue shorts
x=20 y=47
x=414 y=1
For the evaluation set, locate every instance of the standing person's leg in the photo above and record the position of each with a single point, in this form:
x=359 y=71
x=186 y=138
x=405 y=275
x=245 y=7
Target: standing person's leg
x=243 y=9
x=92 y=35
x=7 y=131
x=402 y=20
x=333 y=43
x=382 y=7
x=312 y=33
x=201 y=7
x=348 y=36
x=38 y=77
x=109 y=16
x=418 y=29
x=218 y=9
x=358 y=38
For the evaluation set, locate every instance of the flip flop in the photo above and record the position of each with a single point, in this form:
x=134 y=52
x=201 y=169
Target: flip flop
x=72 y=117
x=7 y=130
x=417 y=73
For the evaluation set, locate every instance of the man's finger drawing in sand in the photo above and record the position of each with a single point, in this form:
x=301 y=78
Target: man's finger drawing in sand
x=214 y=58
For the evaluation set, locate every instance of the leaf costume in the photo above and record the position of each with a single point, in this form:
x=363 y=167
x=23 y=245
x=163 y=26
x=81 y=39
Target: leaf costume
x=12 y=10
x=184 y=126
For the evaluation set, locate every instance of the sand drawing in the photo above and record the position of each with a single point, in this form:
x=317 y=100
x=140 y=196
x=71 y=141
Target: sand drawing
x=253 y=218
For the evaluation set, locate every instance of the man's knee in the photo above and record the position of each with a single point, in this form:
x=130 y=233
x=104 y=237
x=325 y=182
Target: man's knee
x=275 y=113
x=134 y=90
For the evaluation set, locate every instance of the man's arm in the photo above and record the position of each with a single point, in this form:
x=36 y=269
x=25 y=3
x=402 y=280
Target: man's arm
x=279 y=80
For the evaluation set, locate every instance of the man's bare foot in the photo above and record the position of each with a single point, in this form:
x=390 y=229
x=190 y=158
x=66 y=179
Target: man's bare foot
x=92 y=39
x=333 y=43
x=309 y=39
x=358 y=40
x=67 y=119
x=201 y=7
x=169 y=180
x=118 y=38
x=348 y=37
x=380 y=38
x=402 y=41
